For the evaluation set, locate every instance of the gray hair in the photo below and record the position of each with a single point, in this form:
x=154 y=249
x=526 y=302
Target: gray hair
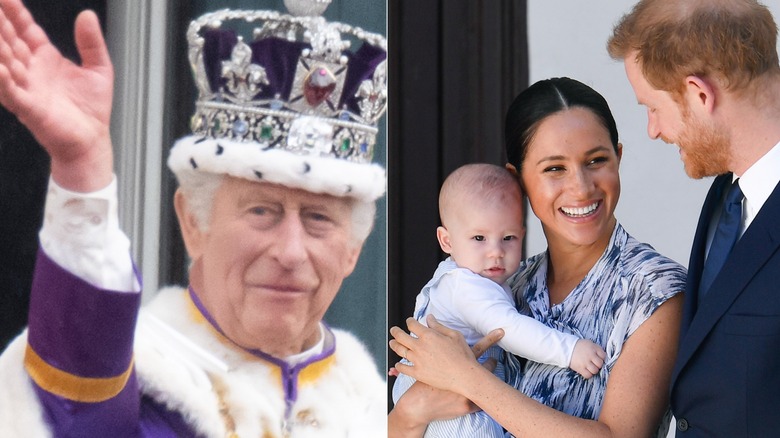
x=199 y=188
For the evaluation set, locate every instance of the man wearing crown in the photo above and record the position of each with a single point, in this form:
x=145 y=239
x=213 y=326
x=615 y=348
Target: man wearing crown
x=276 y=196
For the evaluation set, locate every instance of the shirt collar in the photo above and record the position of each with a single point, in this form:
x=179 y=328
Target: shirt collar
x=758 y=182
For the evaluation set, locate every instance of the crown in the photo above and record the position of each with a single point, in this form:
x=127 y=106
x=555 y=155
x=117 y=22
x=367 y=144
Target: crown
x=290 y=97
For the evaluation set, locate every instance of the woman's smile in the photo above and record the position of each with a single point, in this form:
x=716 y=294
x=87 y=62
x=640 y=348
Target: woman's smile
x=579 y=212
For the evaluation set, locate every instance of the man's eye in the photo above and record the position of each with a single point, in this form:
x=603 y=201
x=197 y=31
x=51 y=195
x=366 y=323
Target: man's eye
x=317 y=217
x=320 y=223
x=264 y=216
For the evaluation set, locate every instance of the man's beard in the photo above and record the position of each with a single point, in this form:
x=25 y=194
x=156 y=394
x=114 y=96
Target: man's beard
x=705 y=148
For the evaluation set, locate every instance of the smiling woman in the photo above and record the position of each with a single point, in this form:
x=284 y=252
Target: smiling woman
x=570 y=174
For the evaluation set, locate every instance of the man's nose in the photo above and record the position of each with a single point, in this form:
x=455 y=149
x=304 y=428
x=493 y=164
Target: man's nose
x=289 y=245
x=652 y=126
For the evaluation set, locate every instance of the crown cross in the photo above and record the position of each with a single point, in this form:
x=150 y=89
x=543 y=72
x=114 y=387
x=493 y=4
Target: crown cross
x=244 y=79
x=326 y=42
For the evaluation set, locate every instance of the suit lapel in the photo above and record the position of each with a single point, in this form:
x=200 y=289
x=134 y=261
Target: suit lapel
x=750 y=253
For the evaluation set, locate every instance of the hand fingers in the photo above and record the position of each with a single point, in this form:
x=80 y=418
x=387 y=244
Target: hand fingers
x=417 y=327
x=434 y=323
x=17 y=71
x=399 y=349
x=590 y=369
x=8 y=39
x=395 y=346
x=23 y=24
x=16 y=48
x=436 y=326
x=401 y=337
x=14 y=52
x=13 y=73
x=479 y=348
x=12 y=97
x=597 y=358
x=483 y=344
x=90 y=42
x=393 y=371
x=403 y=368
x=6 y=52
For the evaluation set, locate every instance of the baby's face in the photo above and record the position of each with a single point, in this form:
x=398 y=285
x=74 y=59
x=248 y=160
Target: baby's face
x=487 y=238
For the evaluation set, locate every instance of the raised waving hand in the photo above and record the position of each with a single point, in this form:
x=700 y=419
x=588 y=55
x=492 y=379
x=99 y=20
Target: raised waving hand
x=66 y=106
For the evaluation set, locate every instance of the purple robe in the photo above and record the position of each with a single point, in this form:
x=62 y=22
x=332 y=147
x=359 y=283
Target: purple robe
x=79 y=333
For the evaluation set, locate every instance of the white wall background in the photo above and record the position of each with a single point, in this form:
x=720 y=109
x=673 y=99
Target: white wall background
x=659 y=204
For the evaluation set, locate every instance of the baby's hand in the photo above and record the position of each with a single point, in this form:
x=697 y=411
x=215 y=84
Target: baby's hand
x=587 y=358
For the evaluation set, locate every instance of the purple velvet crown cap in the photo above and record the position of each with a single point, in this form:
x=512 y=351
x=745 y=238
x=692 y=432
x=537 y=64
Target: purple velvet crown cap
x=279 y=57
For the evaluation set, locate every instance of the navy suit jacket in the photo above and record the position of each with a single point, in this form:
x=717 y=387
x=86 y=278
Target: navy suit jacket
x=726 y=380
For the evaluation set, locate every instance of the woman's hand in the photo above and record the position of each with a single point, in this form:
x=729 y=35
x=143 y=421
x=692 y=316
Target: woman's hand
x=67 y=107
x=440 y=355
x=423 y=403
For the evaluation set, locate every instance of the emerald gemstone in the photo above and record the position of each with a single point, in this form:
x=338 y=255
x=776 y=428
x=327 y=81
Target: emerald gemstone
x=266 y=132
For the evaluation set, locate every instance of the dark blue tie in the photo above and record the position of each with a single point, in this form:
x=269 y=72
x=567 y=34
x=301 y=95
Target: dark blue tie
x=726 y=235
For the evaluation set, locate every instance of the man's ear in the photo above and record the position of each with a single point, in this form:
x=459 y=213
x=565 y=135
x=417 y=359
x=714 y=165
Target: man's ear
x=191 y=232
x=700 y=93
x=351 y=260
x=444 y=239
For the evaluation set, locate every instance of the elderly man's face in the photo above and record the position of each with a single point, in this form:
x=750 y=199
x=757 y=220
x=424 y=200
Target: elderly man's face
x=270 y=262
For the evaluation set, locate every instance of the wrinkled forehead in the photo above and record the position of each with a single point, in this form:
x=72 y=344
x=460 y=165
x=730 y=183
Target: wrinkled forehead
x=244 y=190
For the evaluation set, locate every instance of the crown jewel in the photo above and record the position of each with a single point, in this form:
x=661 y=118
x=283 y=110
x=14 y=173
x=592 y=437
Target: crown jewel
x=295 y=86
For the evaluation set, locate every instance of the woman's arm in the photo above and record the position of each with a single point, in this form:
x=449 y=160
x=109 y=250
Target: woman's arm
x=638 y=390
x=635 y=399
x=423 y=403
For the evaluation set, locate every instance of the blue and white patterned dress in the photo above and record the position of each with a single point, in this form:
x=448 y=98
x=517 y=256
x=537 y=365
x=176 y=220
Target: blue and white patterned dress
x=622 y=290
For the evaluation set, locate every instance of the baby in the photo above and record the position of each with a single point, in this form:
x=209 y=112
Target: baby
x=481 y=210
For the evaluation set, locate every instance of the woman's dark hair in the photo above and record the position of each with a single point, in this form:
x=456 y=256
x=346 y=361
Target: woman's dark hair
x=544 y=99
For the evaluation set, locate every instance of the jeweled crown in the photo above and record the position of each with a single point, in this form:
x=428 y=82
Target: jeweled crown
x=294 y=86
